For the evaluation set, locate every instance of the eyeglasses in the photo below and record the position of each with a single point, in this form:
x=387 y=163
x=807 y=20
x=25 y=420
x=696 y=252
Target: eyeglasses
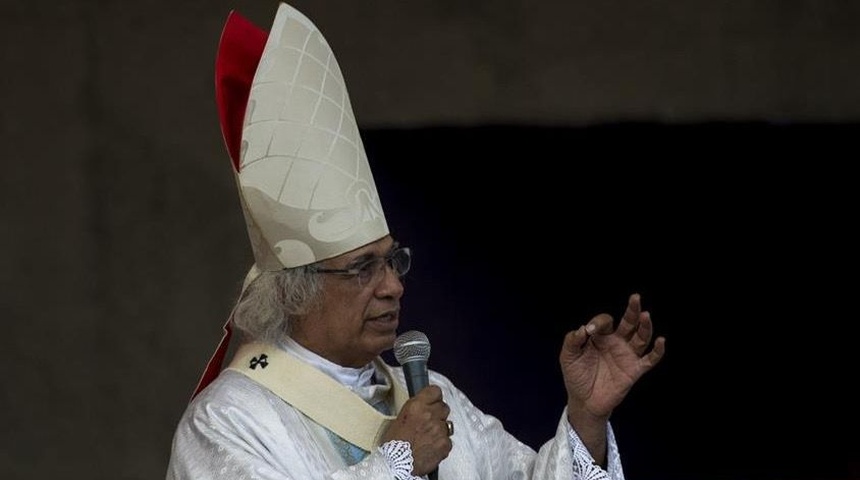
x=369 y=271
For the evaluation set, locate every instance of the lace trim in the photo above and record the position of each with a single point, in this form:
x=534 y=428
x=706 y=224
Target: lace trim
x=584 y=465
x=398 y=456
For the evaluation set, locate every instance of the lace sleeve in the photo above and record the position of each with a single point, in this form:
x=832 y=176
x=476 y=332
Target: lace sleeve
x=584 y=466
x=398 y=455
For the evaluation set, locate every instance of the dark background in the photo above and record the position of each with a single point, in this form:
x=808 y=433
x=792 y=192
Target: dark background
x=744 y=259
x=543 y=159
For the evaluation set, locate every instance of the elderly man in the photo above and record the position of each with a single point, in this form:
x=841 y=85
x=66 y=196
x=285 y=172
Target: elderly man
x=306 y=394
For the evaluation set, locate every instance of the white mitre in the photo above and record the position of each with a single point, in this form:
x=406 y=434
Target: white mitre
x=304 y=180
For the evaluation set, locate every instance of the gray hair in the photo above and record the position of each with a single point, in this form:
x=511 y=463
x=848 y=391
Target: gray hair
x=271 y=303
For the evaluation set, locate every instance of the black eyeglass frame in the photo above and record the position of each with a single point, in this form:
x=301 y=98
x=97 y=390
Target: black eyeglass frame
x=356 y=271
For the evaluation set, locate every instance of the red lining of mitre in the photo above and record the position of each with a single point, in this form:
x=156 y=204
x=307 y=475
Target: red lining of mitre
x=239 y=52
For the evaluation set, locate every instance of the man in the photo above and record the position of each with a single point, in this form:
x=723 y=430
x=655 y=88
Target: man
x=306 y=394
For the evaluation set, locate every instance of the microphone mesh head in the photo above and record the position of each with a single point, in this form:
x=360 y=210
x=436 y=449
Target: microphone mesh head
x=411 y=346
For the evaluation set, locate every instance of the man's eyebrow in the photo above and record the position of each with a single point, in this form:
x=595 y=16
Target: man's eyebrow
x=369 y=256
x=360 y=259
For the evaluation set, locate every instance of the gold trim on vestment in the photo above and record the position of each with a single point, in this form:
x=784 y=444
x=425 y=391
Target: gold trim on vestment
x=318 y=396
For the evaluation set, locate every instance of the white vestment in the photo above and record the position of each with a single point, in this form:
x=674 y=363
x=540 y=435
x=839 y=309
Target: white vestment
x=237 y=428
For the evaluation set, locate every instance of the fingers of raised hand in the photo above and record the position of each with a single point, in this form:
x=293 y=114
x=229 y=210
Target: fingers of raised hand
x=600 y=324
x=576 y=340
x=632 y=316
x=655 y=355
x=641 y=337
x=573 y=343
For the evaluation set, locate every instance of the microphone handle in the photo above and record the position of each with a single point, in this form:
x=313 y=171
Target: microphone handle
x=417 y=378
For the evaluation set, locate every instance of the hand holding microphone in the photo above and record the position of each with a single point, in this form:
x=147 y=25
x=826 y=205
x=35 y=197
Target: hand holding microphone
x=423 y=420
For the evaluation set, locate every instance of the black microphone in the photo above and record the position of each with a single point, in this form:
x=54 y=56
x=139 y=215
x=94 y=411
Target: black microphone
x=412 y=349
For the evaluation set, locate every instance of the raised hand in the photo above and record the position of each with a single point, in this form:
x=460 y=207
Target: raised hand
x=600 y=363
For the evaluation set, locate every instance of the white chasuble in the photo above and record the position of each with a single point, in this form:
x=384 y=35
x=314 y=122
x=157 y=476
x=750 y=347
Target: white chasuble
x=271 y=416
